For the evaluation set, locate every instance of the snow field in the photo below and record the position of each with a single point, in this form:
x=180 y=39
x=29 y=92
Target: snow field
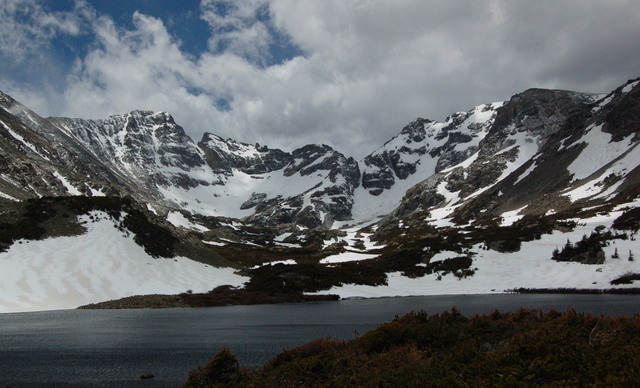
x=626 y=161
x=531 y=267
x=226 y=199
x=600 y=151
x=66 y=272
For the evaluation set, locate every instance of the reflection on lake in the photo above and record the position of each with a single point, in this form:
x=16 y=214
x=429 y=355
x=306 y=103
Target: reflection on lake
x=114 y=347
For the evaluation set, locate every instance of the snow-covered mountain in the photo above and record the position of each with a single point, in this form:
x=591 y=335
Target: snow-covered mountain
x=547 y=151
x=494 y=158
x=148 y=156
x=523 y=166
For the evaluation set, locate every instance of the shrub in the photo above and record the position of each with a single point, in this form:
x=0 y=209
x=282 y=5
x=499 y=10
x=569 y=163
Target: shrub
x=627 y=278
x=586 y=251
x=629 y=220
x=220 y=369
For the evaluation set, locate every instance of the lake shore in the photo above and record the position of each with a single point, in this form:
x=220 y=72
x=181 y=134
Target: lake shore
x=233 y=296
x=219 y=296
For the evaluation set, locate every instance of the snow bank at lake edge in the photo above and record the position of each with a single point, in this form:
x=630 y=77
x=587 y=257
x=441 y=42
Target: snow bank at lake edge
x=102 y=264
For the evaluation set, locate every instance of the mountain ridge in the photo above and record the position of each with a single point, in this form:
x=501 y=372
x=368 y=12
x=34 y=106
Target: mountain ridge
x=147 y=153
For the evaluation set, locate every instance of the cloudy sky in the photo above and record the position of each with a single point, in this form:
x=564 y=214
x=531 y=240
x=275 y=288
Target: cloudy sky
x=349 y=73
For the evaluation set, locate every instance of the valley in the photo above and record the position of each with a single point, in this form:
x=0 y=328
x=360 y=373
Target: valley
x=536 y=192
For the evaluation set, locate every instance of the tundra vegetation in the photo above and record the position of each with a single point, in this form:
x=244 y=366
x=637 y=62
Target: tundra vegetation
x=525 y=348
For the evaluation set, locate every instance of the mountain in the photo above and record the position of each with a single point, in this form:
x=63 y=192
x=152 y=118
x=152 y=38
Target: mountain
x=491 y=158
x=148 y=156
x=38 y=161
x=505 y=178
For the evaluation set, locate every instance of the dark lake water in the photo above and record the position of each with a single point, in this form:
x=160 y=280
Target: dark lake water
x=112 y=348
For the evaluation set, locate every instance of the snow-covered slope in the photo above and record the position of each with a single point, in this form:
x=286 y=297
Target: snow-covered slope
x=310 y=186
x=102 y=264
x=529 y=267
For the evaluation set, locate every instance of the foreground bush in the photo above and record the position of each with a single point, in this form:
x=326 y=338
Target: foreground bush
x=222 y=368
x=527 y=348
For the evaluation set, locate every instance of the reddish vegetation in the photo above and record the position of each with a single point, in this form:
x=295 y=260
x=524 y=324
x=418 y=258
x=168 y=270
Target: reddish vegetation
x=527 y=348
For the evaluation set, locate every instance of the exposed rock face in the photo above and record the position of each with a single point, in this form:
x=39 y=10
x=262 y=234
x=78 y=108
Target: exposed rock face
x=146 y=151
x=421 y=197
x=620 y=115
x=389 y=163
x=427 y=147
x=225 y=155
x=255 y=200
x=37 y=160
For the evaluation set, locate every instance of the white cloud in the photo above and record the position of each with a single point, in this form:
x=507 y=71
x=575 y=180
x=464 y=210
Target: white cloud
x=138 y=69
x=27 y=28
x=236 y=28
x=369 y=67
x=229 y=14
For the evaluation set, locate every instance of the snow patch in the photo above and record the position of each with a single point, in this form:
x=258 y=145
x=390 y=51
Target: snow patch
x=285 y=262
x=7 y=196
x=71 y=189
x=152 y=209
x=98 y=193
x=282 y=237
x=629 y=87
x=510 y=217
x=179 y=220
x=346 y=257
x=214 y=243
